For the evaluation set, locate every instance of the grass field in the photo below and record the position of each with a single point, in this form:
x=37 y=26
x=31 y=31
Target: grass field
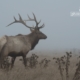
x=39 y=73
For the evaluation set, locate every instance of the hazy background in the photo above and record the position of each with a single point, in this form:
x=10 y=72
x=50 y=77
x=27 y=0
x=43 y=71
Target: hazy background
x=62 y=30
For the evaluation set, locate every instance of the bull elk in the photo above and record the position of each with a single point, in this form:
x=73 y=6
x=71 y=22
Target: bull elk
x=20 y=45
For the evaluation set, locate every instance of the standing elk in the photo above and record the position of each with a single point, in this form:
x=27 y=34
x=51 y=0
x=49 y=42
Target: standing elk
x=20 y=45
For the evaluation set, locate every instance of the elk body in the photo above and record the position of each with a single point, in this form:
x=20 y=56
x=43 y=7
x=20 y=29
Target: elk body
x=20 y=45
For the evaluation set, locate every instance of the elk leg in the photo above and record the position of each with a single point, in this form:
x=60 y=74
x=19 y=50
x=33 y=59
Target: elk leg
x=25 y=61
x=12 y=61
x=2 y=61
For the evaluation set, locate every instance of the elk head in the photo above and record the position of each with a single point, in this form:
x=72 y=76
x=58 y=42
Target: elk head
x=34 y=30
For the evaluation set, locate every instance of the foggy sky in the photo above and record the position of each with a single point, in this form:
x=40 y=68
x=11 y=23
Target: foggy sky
x=62 y=30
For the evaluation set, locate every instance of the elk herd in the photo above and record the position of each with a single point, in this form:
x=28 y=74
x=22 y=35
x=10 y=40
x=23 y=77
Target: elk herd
x=20 y=44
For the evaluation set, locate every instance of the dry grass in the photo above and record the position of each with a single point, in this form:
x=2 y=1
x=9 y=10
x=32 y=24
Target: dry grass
x=39 y=73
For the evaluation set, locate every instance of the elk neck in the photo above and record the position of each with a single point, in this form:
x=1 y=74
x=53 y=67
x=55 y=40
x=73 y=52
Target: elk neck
x=33 y=39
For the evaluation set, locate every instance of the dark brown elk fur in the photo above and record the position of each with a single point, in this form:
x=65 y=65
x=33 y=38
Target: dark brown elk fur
x=20 y=45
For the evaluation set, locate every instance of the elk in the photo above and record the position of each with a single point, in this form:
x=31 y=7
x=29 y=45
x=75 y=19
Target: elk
x=20 y=45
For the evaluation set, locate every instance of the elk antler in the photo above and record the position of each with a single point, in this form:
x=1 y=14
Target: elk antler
x=41 y=26
x=19 y=21
x=34 y=19
x=24 y=22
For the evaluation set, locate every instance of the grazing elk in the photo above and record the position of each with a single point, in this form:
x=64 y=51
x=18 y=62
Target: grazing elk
x=20 y=45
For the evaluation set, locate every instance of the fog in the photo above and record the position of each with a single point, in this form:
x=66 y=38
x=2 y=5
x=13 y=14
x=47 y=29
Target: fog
x=62 y=29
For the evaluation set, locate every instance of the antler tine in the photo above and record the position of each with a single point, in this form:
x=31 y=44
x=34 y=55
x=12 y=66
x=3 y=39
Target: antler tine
x=42 y=26
x=15 y=21
x=39 y=21
x=29 y=18
x=19 y=21
x=36 y=20
x=20 y=18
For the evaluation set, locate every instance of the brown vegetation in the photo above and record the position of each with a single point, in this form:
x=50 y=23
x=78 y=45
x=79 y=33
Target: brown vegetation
x=64 y=68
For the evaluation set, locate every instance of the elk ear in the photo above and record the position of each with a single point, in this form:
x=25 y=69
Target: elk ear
x=31 y=29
